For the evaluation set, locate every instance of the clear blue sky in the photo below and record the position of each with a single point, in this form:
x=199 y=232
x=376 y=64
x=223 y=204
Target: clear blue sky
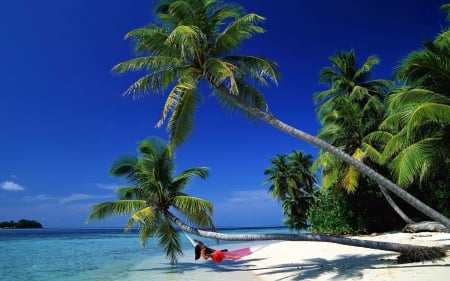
x=64 y=120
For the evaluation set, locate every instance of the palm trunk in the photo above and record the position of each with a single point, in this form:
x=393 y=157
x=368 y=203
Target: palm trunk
x=366 y=170
x=395 y=206
x=409 y=253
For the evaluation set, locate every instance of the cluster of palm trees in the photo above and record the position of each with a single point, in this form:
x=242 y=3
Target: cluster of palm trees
x=399 y=128
x=192 y=42
x=292 y=182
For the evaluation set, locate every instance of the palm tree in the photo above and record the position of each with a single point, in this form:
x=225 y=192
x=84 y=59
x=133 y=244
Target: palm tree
x=154 y=192
x=408 y=253
x=281 y=182
x=348 y=80
x=193 y=44
x=419 y=114
x=292 y=182
x=349 y=110
x=415 y=135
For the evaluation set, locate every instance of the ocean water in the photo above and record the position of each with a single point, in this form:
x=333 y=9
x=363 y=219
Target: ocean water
x=111 y=254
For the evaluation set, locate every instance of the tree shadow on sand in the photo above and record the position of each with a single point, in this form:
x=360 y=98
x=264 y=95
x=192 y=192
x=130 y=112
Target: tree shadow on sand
x=342 y=268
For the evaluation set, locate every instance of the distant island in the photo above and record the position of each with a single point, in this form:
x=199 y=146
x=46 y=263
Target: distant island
x=21 y=224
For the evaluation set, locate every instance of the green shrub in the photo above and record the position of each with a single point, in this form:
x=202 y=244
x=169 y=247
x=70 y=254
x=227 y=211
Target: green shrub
x=331 y=214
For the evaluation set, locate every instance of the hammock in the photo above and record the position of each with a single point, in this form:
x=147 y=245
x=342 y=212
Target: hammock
x=231 y=255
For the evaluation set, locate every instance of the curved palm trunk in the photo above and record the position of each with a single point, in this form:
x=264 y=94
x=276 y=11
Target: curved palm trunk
x=395 y=206
x=366 y=170
x=409 y=253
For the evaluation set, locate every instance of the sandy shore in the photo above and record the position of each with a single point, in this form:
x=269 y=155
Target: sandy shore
x=322 y=261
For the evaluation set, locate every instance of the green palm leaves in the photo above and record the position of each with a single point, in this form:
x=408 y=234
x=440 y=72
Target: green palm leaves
x=416 y=130
x=292 y=182
x=192 y=42
x=350 y=109
x=153 y=193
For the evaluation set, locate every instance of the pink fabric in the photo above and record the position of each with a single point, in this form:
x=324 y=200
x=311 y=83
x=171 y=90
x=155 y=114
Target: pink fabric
x=237 y=254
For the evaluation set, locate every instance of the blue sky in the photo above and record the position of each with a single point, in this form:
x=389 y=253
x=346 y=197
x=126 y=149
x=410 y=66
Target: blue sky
x=64 y=120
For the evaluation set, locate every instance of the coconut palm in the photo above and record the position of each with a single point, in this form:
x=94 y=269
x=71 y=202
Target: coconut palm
x=408 y=253
x=292 y=182
x=346 y=79
x=282 y=184
x=349 y=110
x=194 y=43
x=154 y=192
x=419 y=114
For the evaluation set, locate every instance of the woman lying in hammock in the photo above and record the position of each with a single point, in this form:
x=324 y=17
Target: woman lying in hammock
x=206 y=252
x=218 y=255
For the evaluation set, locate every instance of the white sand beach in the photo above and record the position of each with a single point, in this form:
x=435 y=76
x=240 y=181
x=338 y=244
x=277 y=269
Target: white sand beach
x=323 y=261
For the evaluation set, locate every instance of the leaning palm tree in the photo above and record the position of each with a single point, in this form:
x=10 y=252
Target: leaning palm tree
x=408 y=253
x=153 y=193
x=350 y=109
x=194 y=42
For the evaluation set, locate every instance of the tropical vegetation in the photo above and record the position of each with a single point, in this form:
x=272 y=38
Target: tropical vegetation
x=292 y=182
x=194 y=42
x=413 y=140
x=154 y=193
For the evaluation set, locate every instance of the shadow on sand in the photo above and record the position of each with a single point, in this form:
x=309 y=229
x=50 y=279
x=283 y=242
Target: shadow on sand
x=344 y=267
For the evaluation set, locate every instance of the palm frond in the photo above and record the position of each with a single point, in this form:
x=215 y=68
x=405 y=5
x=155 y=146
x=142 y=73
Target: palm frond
x=196 y=210
x=169 y=238
x=149 y=63
x=366 y=68
x=181 y=121
x=372 y=153
x=236 y=32
x=220 y=72
x=127 y=193
x=108 y=209
x=428 y=112
x=151 y=40
x=143 y=216
x=408 y=164
x=187 y=39
x=123 y=166
x=257 y=68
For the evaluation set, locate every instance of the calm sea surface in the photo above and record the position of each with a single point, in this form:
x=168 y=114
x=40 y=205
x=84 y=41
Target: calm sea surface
x=110 y=254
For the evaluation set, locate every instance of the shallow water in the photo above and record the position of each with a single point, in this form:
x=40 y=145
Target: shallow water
x=110 y=254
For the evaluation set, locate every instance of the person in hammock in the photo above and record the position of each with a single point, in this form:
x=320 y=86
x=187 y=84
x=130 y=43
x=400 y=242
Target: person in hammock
x=206 y=252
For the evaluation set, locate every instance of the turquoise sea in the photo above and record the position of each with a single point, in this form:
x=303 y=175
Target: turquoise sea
x=110 y=254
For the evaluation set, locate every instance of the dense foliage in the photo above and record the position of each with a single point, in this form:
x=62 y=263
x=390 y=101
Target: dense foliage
x=406 y=139
x=23 y=223
x=193 y=41
x=292 y=182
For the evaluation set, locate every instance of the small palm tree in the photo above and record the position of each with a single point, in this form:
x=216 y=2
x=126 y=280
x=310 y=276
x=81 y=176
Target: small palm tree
x=153 y=194
x=292 y=182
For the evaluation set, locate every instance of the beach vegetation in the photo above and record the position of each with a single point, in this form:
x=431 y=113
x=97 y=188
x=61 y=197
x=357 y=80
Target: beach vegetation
x=413 y=140
x=194 y=41
x=349 y=109
x=153 y=190
x=292 y=182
